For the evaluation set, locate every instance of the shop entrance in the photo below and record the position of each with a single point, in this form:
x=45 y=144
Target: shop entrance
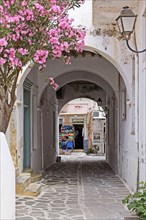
x=78 y=136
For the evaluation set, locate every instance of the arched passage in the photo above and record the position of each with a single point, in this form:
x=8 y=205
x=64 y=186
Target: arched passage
x=98 y=88
x=91 y=69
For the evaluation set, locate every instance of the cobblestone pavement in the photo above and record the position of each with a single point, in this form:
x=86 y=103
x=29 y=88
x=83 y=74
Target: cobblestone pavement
x=80 y=187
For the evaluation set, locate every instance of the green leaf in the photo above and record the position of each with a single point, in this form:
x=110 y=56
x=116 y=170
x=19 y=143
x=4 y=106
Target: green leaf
x=125 y=201
x=131 y=206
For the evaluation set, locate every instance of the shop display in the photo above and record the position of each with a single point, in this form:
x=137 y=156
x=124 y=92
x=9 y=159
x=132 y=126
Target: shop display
x=66 y=137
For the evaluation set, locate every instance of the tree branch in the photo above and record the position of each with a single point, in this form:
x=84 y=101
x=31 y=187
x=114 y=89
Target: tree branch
x=13 y=96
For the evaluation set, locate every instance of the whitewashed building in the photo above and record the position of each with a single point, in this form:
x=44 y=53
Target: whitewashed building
x=120 y=79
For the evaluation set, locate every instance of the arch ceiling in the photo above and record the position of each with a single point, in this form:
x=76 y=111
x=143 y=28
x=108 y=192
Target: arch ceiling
x=90 y=68
x=80 y=89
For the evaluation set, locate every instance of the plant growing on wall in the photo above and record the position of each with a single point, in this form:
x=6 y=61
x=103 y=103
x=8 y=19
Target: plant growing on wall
x=137 y=202
x=33 y=30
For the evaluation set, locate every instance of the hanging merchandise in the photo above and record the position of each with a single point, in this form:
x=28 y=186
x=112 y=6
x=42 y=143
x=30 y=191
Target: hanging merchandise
x=66 y=137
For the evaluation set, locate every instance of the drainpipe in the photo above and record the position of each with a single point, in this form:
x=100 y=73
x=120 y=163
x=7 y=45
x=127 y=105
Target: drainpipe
x=118 y=112
x=137 y=109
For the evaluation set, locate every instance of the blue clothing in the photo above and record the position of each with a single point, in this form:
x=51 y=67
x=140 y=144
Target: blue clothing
x=69 y=145
x=63 y=145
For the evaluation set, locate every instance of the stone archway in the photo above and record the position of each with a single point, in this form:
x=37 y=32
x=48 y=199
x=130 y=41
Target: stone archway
x=91 y=68
x=111 y=99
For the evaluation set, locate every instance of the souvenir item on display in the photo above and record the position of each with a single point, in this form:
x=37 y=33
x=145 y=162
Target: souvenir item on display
x=67 y=137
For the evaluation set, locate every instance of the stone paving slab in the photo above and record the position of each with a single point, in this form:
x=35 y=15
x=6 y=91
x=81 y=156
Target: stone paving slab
x=81 y=187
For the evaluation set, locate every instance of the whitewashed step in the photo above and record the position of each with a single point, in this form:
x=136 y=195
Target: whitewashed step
x=35 y=177
x=33 y=189
x=22 y=181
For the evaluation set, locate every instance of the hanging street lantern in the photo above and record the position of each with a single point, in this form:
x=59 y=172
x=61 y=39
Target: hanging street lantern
x=126 y=22
x=126 y=25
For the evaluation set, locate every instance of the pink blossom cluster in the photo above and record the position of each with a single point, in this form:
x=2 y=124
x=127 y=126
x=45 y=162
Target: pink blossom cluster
x=52 y=82
x=35 y=30
x=3 y=42
x=10 y=55
x=40 y=56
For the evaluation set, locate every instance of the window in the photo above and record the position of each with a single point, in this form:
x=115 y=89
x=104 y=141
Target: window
x=60 y=121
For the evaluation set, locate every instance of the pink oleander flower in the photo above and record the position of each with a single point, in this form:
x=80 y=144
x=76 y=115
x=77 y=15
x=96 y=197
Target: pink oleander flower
x=29 y=42
x=55 y=86
x=24 y=3
x=63 y=25
x=11 y=52
x=1 y=8
x=2 y=61
x=1 y=49
x=22 y=51
x=56 y=8
x=39 y=8
x=67 y=60
x=15 y=62
x=3 y=42
x=53 y=2
x=41 y=56
x=51 y=80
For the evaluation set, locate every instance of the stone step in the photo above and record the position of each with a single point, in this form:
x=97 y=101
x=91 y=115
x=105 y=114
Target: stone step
x=25 y=183
x=33 y=190
x=22 y=181
x=35 y=177
x=28 y=170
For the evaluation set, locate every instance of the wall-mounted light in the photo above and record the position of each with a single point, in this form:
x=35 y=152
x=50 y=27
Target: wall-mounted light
x=126 y=24
x=99 y=103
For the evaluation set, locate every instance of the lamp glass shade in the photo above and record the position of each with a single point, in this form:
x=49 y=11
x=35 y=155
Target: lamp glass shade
x=128 y=24
x=126 y=21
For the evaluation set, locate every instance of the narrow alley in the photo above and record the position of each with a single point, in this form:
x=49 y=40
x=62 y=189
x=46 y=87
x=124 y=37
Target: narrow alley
x=80 y=187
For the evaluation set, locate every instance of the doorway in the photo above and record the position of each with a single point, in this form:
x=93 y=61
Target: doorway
x=26 y=152
x=78 y=136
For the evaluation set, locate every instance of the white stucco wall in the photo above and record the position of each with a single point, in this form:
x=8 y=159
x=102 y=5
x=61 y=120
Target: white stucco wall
x=7 y=182
x=34 y=126
x=128 y=155
x=141 y=84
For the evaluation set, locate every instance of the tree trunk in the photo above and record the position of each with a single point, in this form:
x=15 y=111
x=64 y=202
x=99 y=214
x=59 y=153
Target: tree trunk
x=5 y=113
x=7 y=97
